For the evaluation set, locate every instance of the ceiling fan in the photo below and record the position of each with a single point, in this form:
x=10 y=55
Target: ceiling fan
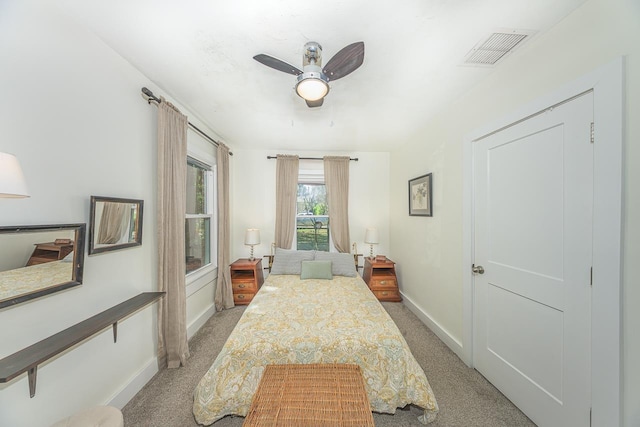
x=313 y=81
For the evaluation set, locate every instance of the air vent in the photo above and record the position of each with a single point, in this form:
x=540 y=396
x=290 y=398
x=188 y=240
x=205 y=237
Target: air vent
x=494 y=47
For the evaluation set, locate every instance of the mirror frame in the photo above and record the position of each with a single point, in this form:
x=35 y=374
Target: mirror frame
x=92 y=229
x=78 y=259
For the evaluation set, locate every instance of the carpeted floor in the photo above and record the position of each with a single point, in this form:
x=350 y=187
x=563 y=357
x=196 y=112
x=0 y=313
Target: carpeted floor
x=465 y=398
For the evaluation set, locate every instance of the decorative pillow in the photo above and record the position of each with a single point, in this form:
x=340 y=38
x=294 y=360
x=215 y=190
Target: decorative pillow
x=287 y=261
x=342 y=264
x=316 y=270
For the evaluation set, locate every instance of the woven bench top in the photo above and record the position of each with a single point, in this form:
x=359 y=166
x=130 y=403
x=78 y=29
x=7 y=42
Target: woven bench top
x=310 y=395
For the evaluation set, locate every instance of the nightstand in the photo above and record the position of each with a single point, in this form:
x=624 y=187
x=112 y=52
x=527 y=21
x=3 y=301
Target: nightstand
x=51 y=251
x=246 y=279
x=381 y=278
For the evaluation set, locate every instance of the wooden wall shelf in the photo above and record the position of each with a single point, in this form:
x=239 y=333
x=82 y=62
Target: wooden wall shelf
x=28 y=359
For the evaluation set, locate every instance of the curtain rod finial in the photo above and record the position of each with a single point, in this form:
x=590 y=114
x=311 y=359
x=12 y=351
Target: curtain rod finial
x=148 y=96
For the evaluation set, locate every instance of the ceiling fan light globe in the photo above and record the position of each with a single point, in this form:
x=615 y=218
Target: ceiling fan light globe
x=312 y=86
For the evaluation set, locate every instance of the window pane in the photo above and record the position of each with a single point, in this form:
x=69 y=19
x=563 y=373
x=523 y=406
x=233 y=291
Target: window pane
x=196 y=188
x=312 y=199
x=312 y=221
x=312 y=232
x=198 y=246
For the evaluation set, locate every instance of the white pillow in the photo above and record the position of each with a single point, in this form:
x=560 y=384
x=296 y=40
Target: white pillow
x=288 y=261
x=342 y=264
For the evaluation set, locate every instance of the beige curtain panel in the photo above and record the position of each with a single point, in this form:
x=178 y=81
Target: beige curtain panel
x=112 y=223
x=173 y=349
x=336 y=180
x=224 y=294
x=286 y=199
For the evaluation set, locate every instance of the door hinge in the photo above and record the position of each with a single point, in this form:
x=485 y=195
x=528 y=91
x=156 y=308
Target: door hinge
x=590 y=413
x=591 y=277
x=593 y=133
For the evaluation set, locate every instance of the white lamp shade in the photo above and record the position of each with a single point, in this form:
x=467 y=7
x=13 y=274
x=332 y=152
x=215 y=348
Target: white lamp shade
x=372 y=236
x=252 y=236
x=12 y=183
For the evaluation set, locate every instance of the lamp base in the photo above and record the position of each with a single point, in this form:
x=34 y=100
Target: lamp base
x=251 y=258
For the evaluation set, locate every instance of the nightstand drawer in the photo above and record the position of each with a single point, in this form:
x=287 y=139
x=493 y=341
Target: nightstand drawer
x=244 y=286
x=385 y=282
x=240 y=299
x=387 y=295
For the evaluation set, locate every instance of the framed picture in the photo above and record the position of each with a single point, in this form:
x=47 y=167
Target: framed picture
x=420 y=196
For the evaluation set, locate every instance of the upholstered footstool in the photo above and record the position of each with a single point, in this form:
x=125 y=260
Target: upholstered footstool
x=98 y=416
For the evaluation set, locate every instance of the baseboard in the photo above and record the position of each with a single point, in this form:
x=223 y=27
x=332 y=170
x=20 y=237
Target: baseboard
x=121 y=398
x=135 y=385
x=443 y=334
x=200 y=321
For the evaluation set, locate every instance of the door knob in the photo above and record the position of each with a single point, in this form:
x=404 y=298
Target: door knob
x=477 y=269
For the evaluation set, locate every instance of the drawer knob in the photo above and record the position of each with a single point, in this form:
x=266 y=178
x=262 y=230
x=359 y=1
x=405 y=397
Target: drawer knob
x=383 y=282
x=241 y=296
x=241 y=285
x=385 y=293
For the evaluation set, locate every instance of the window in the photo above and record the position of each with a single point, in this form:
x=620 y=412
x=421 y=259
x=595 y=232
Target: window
x=312 y=218
x=199 y=219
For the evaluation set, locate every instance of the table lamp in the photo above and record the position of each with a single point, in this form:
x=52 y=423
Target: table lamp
x=252 y=238
x=372 y=237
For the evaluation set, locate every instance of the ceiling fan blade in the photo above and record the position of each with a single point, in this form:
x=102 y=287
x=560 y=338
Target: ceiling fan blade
x=317 y=103
x=277 y=64
x=345 y=62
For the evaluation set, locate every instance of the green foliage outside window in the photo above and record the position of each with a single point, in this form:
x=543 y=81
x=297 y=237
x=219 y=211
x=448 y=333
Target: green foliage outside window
x=312 y=221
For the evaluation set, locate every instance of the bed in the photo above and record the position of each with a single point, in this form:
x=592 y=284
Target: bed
x=34 y=278
x=297 y=319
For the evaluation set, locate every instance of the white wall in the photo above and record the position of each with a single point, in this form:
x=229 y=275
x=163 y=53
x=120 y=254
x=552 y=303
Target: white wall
x=253 y=198
x=72 y=113
x=429 y=250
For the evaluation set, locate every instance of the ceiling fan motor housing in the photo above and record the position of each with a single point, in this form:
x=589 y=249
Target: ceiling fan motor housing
x=312 y=54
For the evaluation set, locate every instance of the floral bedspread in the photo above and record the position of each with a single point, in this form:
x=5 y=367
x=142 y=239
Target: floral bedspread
x=314 y=321
x=34 y=278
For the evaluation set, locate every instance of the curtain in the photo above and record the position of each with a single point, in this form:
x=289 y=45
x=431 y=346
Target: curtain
x=173 y=349
x=336 y=179
x=224 y=294
x=112 y=223
x=286 y=199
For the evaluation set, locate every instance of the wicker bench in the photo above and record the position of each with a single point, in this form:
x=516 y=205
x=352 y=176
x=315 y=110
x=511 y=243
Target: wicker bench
x=310 y=395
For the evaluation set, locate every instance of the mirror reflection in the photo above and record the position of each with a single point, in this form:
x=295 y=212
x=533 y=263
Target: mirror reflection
x=38 y=260
x=115 y=224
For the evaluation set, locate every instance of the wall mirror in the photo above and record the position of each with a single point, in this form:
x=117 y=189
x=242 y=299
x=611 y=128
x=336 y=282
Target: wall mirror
x=115 y=224
x=37 y=260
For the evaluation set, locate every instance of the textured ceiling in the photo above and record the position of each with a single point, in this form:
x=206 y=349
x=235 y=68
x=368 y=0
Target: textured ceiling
x=201 y=54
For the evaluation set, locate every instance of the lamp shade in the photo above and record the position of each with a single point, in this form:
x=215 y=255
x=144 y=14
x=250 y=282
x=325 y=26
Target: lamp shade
x=313 y=84
x=372 y=236
x=312 y=89
x=12 y=183
x=252 y=236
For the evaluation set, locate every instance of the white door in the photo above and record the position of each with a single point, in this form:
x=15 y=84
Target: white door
x=533 y=198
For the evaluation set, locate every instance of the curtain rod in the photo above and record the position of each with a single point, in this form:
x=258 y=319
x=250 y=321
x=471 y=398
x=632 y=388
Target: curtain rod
x=151 y=97
x=311 y=158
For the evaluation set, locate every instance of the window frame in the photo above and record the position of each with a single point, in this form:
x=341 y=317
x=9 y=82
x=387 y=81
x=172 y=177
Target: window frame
x=311 y=172
x=295 y=234
x=201 y=154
